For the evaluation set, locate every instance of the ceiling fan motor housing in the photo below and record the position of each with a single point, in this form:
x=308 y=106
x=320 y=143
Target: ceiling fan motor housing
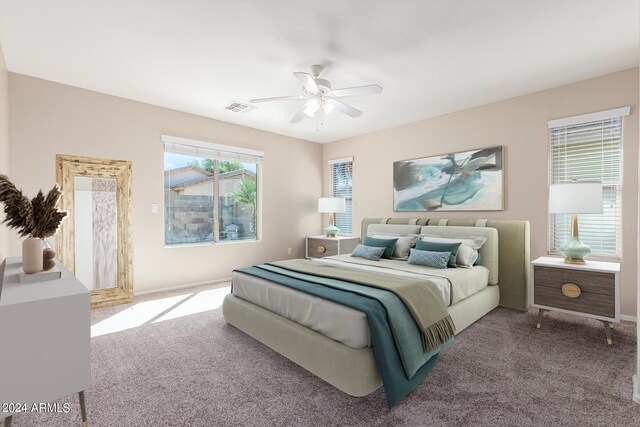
x=323 y=85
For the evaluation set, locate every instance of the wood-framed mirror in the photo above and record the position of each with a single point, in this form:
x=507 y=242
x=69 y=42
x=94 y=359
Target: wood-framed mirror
x=94 y=242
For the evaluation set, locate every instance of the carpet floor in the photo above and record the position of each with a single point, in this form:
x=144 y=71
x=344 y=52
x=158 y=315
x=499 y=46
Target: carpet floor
x=196 y=370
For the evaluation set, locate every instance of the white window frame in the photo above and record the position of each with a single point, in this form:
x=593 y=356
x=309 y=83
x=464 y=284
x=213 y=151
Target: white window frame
x=206 y=149
x=348 y=198
x=559 y=132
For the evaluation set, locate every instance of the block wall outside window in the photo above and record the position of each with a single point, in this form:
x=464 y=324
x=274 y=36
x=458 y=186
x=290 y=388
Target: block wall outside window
x=208 y=198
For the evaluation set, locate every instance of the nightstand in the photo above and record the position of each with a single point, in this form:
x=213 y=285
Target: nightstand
x=322 y=246
x=589 y=290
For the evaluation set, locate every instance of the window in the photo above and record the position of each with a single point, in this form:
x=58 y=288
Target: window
x=589 y=148
x=341 y=186
x=211 y=192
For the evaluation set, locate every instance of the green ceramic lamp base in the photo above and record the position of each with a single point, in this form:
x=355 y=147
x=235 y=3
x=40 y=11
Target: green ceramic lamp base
x=575 y=251
x=331 y=230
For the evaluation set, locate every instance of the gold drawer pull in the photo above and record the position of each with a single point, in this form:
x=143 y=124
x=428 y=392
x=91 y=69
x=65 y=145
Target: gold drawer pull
x=322 y=249
x=571 y=290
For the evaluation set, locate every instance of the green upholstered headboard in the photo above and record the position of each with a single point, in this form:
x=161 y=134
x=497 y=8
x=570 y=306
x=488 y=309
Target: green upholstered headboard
x=513 y=259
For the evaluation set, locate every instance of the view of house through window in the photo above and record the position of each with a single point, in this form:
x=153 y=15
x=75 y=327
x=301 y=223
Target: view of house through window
x=209 y=196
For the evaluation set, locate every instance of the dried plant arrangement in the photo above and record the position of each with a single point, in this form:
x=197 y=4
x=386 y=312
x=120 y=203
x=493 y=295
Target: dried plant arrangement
x=38 y=217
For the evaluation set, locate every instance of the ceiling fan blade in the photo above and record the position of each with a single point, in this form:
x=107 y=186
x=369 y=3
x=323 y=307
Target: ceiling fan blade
x=307 y=82
x=358 y=90
x=279 y=98
x=344 y=108
x=298 y=117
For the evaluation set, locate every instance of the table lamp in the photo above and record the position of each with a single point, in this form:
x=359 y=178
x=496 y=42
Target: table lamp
x=331 y=205
x=575 y=198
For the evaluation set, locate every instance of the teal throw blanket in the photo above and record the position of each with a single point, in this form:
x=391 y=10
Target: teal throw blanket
x=397 y=343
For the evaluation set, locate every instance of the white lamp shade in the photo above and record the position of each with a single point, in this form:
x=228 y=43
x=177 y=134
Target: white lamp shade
x=331 y=205
x=575 y=198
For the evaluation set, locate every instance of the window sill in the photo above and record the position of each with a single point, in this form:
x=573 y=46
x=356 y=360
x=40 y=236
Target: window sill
x=604 y=258
x=221 y=242
x=233 y=242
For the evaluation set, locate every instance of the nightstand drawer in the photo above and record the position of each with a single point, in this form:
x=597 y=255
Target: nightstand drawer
x=588 y=281
x=586 y=302
x=318 y=248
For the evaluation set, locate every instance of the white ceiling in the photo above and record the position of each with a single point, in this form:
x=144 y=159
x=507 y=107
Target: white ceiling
x=431 y=57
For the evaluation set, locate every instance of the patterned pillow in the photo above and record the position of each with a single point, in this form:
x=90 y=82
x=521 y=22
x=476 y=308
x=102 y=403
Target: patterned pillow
x=452 y=248
x=429 y=258
x=388 y=244
x=368 y=252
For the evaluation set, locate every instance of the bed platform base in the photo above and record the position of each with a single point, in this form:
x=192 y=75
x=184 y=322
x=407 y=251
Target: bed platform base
x=351 y=370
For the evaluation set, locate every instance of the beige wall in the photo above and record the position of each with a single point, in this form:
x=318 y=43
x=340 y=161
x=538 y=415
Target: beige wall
x=49 y=118
x=4 y=146
x=637 y=376
x=520 y=125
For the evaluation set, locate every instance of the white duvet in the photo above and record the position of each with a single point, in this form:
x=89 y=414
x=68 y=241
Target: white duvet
x=342 y=323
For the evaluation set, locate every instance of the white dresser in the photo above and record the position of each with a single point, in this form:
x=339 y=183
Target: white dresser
x=45 y=340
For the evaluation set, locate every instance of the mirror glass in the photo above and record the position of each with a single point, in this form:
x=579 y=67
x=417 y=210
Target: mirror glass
x=96 y=232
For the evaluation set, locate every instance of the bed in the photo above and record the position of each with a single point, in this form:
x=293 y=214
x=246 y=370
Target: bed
x=333 y=341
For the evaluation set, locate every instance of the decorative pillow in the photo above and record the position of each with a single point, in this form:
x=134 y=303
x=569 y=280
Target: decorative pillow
x=429 y=258
x=464 y=258
x=475 y=242
x=478 y=260
x=388 y=244
x=403 y=245
x=368 y=252
x=450 y=248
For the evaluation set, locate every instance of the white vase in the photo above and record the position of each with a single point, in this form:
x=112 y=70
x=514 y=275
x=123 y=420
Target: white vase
x=32 y=248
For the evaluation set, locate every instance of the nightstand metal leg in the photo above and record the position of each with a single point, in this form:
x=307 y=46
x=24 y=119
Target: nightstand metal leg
x=540 y=314
x=7 y=421
x=607 y=330
x=83 y=408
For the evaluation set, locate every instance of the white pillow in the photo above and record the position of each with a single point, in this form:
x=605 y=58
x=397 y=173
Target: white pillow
x=468 y=250
x=466 y=256
x=403 y=245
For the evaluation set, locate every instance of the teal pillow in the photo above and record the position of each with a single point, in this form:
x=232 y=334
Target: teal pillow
x=372 y=253
x=388 y=244
x=478 y=260
x=429 y=258
x=452 y=248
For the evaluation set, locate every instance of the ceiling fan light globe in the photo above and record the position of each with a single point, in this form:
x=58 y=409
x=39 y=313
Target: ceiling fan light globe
x=327 y=108
x=313 y=105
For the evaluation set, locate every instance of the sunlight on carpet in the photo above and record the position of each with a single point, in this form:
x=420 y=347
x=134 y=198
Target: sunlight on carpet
x=162 y=309
x=202 y=301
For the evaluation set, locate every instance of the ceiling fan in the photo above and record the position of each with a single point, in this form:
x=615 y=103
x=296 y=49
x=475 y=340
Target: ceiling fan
x=320 y=97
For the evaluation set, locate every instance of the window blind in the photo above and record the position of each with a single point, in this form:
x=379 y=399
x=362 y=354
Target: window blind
x=209 y=150
x=590 y=151
x=341 y=186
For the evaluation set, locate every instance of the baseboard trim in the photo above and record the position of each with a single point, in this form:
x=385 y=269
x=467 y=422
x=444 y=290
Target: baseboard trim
x=628 y=318
x=185 y=286
x=636 y=389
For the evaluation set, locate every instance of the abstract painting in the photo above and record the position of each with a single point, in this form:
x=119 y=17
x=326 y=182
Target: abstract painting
x=464 y=181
